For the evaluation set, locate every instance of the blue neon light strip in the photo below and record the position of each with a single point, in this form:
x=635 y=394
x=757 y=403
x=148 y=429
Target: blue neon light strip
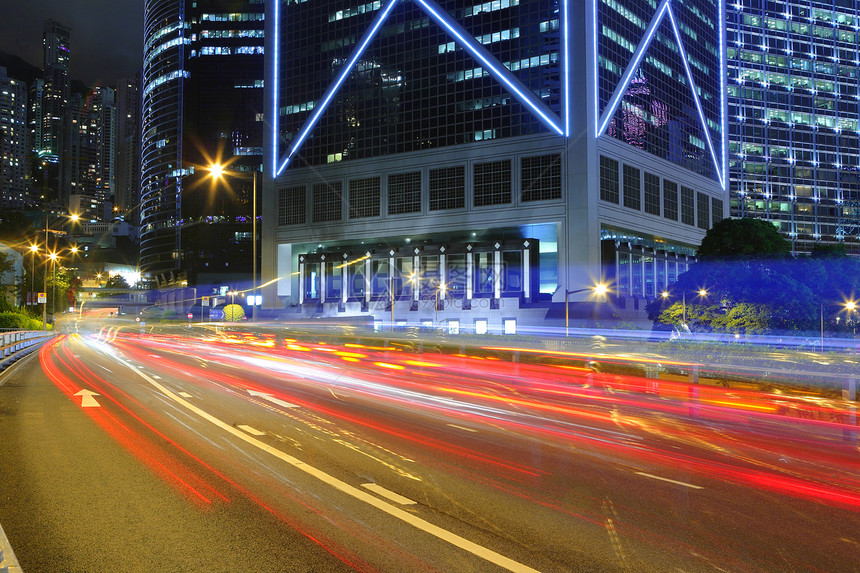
x=566 y=59
x=724 y=109
x=333 y=88
x=275 y=86
x=632 y=66
x=596 y=71
x=498 y=71
x=696 y=98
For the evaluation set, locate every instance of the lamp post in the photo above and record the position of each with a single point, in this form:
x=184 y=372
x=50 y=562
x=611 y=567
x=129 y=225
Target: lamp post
x=599 y=289
x=217 y=172
x=53 y=257
x=849 y=306
x=33 y=250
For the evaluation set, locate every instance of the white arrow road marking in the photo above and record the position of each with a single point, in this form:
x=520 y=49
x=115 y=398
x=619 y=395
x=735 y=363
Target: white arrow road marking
x=685 y=484
x=395 y=497
x=271 y=399
x=343 y=487
x=87 y=400
x=250 y=430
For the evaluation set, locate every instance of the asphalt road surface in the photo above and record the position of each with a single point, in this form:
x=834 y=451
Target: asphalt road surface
x=121 y=452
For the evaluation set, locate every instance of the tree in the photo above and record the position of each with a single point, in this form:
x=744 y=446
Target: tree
x=114 y=283
x=744 y=238
x=754 y=285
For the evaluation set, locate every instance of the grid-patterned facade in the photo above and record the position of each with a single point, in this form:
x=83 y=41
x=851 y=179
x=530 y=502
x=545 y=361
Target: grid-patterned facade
x=13 y=143
x=658 y=110
x=447 y=188
x=493 y=183
x=793 y=92
x=541 y=177
x=404 y=193
x=364 y=197
x=414 y=88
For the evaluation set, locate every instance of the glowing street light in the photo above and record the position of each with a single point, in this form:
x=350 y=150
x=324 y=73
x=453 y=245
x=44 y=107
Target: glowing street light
x=600 y=289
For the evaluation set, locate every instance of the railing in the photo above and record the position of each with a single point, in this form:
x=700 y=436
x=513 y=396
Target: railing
x=18 y=343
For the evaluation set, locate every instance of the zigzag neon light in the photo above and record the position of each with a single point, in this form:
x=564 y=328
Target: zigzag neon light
x=632 y=66
x=696 y=97
x=499 y=72
x=329 y=94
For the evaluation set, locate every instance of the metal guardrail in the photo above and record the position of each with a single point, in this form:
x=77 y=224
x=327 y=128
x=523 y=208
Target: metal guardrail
x=17 y=344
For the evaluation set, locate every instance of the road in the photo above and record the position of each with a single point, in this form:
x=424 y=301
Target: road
x=123 y=452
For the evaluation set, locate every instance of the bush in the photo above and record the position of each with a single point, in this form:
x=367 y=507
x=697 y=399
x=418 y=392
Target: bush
x=19 y=321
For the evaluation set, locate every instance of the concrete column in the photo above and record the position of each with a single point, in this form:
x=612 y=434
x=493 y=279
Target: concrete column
x=497 y=274
x=470 y=265
x=322 y=280
x=301 y=282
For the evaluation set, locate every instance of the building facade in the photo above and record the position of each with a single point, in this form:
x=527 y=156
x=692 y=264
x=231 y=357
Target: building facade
x=13 y=143
x=89 y=161
x=56 y=51
x=202 y=93
x=127 y=181
x=474 y=163
x=794 y=90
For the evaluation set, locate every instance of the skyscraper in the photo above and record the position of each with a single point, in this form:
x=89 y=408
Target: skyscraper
x=794 y=88
x=13 y=143
x=202 y=95
x=496 y=156
x=88 y=164
x=126 y=195
x=56 y=54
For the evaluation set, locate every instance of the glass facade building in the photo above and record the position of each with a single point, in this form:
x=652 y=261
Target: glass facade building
x=13 y=143
x=202 y=94
x=795 y=138
x=516 y=148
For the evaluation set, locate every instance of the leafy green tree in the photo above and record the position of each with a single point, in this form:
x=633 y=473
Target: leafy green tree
x=744 y=238
x=112 y=285
x=753 y=285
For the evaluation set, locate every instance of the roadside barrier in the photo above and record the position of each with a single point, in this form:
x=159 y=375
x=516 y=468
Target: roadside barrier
x=18 y=343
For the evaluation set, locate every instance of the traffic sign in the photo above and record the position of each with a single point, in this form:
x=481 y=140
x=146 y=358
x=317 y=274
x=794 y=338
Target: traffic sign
x=204 y=301
x=43 y=297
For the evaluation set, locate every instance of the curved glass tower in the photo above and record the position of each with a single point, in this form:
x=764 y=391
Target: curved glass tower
x=164 y=76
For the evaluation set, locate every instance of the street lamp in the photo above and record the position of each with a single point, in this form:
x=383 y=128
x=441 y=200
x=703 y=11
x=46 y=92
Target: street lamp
x=702 y=293
x=599 y=289
x=33 y=250
x=218 y=172
x=53 y=257
x=848 y=306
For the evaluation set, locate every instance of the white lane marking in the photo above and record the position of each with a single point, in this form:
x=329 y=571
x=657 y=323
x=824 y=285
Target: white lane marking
x=685 y=484
x=183 y=394
x=271 y=399
x=252 y=431
x=405 y=516
x=87 y=400
x=462 y=428
x=105 y=368
x=395 y=497
x=156 y=376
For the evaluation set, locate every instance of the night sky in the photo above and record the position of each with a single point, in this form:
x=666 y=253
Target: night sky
x=106 y=36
